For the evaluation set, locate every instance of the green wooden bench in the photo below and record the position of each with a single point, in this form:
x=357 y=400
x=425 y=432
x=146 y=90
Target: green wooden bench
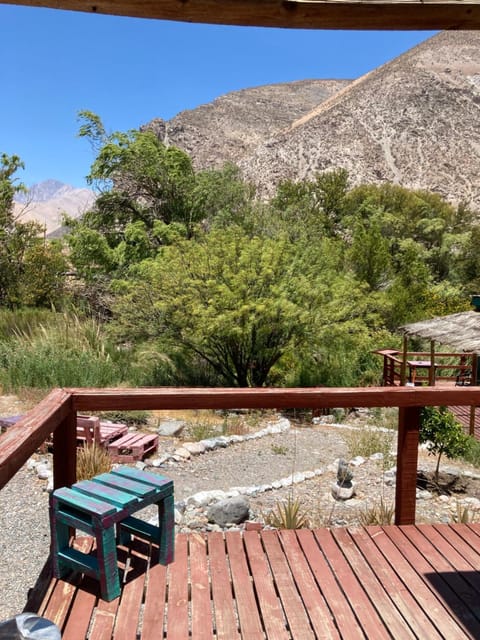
x=103 y=508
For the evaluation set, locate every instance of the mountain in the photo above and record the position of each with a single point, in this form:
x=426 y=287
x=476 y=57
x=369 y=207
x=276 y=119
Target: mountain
x=413 y=121
x=232 y=126
x=47 y=202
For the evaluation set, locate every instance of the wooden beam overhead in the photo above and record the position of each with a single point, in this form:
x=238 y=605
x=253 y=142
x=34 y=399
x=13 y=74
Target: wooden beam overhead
x=301 y=14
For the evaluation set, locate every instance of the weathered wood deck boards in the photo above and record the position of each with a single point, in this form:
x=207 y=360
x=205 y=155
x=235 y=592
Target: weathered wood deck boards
x=376 y=582
x=462 y=414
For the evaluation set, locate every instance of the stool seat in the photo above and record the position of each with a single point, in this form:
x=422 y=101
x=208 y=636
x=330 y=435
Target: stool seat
x=103 y=507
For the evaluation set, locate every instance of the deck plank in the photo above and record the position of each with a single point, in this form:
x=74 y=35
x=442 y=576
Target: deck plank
x=128 y=616
x=268 y=602
x=177 y=605
x=225 y=614
x=202 y=625
x=433 y=604
x=81 y=611
x=250 y=623
x=440 y=570
x=318 y=612
x=392 y=619
x=375 y=582
x=340 y=607
x=104 y=621
x=406 y=603
x=364 y=610
x=298 y=621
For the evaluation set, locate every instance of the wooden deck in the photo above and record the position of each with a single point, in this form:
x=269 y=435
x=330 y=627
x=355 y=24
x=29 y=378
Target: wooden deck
x=462 y=414
x=392 y=582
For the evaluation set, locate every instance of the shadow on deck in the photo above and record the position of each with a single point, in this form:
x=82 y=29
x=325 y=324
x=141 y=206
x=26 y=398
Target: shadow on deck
x=376 y=582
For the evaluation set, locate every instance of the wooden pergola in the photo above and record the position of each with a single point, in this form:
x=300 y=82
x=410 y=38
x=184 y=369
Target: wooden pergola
x=299 y=14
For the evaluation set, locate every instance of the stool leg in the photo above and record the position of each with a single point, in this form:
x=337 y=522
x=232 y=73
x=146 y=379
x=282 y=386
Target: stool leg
x=60 y=538
x=166 y=523
x=107 y=562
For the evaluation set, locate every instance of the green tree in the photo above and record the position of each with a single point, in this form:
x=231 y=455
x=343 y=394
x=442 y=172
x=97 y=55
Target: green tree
x=31 y=270
x=238 y=303
x=442 y=434
x=140 y=179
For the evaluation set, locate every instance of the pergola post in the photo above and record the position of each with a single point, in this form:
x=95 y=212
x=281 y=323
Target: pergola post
x=403 y=368
x=431 y=371
x=407 y=462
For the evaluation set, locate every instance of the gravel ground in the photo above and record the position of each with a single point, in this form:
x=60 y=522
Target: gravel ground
x=24 y=502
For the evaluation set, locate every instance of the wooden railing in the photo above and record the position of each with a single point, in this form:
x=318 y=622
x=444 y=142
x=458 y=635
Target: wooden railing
x=425 y=367
x=57 y=414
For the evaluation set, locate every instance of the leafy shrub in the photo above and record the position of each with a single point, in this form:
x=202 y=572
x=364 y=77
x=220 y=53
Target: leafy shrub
x=442 y=434
x=472 y=452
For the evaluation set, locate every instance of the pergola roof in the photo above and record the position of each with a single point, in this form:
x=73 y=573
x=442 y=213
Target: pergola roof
x=308 y=14
x=459 y=330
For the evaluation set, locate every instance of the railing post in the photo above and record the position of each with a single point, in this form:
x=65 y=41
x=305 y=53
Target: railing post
x=407 y=462
x=65 y=452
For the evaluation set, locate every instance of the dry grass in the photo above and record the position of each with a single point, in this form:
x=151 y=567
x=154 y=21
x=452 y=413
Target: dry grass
x=379 y=513
x=288 y=515
x=92 y=460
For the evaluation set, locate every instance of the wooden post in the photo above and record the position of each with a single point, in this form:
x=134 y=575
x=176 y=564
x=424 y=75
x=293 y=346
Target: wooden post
x=474 y=369
x=407 y=461
x=471 y=429
x=403 y=370
x=65 y=452
x=431 y=371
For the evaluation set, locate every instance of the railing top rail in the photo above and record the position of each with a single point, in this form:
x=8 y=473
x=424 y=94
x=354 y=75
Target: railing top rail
x=266 y=398
x=22 y=439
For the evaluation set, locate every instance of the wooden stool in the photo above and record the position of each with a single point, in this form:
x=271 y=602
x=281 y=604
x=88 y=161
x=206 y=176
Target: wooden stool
x=96 y=506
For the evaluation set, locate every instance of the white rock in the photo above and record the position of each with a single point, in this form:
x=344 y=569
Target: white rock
x=203 y=498
x=298 y=477
x=195 y=448
x=43 y=471
x=309 y=474
x=209 y=444
x=376 y=456
x=286 y=482
x=31 y=464
x=318 y=472
x=357 y=461
x=182 y=453
x=277 y=484
x=140 y=465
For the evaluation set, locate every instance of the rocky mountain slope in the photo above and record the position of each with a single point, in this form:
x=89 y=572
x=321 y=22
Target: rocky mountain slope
x=47 y=202
x=413 y=121
x=232 y=126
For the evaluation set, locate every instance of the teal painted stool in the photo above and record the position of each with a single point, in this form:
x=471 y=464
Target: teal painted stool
x=102 y=507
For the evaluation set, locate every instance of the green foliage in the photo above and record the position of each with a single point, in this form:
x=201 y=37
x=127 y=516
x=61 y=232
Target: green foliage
x=66 y=352
x=233 y=301
x=442 y=434
x=288 y=515
x=472 y=452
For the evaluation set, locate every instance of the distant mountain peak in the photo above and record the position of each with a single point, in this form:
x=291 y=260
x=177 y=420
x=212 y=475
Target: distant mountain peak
x=44 y=191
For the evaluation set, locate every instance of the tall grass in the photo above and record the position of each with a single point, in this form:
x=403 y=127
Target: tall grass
x=66 y=351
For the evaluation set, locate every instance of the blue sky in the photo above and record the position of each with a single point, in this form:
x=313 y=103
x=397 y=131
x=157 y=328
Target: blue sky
x=55 y=63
